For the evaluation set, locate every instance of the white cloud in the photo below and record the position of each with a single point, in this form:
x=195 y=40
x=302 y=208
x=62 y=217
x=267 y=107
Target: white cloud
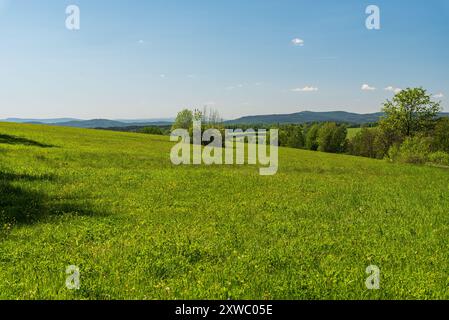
x=162 y=76
x=367 y=87
x=140 y=42
x=298 y=42
x=238 y=86
x=439 y=96
x=393 y=89
x=305 y=89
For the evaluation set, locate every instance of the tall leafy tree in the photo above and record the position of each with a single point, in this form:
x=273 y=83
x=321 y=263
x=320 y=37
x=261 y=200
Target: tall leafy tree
x=183 y=120
x=411 y=111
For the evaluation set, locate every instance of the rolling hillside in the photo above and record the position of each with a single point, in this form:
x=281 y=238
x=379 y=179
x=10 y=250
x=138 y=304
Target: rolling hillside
x=138 y=227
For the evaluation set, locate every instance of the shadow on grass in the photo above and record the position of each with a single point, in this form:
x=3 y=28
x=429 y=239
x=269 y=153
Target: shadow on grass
x=13 y=140
x=19 y=206
x=8 y=176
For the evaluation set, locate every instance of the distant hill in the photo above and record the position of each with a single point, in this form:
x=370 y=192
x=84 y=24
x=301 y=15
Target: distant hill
x=294 y=118
x=104 y=123
x=309 y=116
x=45 y=121
x=95 y=123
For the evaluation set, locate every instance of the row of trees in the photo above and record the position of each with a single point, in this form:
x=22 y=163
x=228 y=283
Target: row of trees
x=209 y=117
x=325 y=137
x=410 y=131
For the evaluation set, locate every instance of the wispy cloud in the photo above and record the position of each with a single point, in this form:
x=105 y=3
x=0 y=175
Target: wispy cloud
x=439 y=96
x=238 y=86
x=305 y=89
x=367 y=87
x=298 y=42
x=393 y=89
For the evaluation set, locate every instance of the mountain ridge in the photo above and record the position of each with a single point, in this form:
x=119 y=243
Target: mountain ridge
x=311 y=116
x=292 y=118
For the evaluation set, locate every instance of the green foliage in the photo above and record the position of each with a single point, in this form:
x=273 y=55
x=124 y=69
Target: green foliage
x=291 y=136
x=366 y=143
x=352 y=132
x=331 y=137
x=440 y=158
x=413 y=150
x=183 y=120
x=441 y=135
x=411 y=111
x=152 y=130
x=410 y=114
x=311 y=141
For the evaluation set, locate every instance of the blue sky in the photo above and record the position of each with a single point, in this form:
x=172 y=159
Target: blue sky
x=151 y=58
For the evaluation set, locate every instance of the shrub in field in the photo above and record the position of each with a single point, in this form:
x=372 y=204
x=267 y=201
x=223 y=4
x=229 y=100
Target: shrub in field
x=412 y=150
x=440 y=158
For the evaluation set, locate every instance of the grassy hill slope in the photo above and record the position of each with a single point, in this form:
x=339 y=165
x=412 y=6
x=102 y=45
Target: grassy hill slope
x=140 y=228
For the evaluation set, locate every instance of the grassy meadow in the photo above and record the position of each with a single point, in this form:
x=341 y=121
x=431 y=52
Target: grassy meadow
x=352 y=132
x=140 y=228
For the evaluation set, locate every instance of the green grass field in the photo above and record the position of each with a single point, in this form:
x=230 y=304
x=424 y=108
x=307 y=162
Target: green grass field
x=140 y=228
x=352 y=132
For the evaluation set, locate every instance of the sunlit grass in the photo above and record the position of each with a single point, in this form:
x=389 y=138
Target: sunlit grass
x=140 y=228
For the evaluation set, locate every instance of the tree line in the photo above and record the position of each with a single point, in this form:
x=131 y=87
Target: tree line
x=410 y=131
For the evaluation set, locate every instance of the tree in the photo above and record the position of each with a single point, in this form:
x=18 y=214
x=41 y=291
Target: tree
x=331 y=137
x=152 y=130
x=291 y=136
x=441 y=135
x=311 y=137
x=366 y=144
x=211 y=117
x=410 y=112
x=183 y=120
